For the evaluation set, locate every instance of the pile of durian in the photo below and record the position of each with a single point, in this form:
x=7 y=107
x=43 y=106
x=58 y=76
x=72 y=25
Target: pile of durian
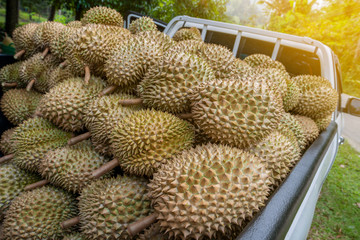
x=129 y=134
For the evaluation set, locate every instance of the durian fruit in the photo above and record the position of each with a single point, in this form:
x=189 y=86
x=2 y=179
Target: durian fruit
x=289 y=121
x=200 y=136
x=323 y=123
x=166 y=86
x=187 y=34
x=237 y=112
x=102 y=115
x=74 y=24
x=311 y=131
x=59 y=45
x=58 y=75
x=5 y=143
x=147 y=139
x=12 y=183
x=292 y=96
x=45 y=33
x=23 y=40
x=279 y=154
x=142 y=24
x=10 y=76
x=317 y=97
x=74 y=236
x=152 y=233
x=129 y=63
x=19 y=104
x=263 y=61
x=103 y=15
x=70 y=167
x=206 y=189
x=107 y=206
x=65 y=108
x=37 y=214
x=33 y=139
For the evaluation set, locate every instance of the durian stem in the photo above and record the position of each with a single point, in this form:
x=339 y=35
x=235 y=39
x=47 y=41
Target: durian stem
x=63 y=64
x=107 y=167
x=87 y=75
x=136 y=227
x=130 y=102
x=70 y=222
x=12 y=84
x=30 y=85
x=108 y=90
x=44 y=53
x=6 y=158
x=19 y=54
x=36 y=185
x=185 y=115
x=79 y=138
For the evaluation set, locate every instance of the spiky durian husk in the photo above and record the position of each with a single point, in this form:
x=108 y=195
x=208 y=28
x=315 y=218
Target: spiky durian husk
x=71 y=167
x=292 y=96
x=10 y=74
x=65 y=108
x=102 y=115
x=107 y=206
x=289 y=121
x=142 y=24
x=103 y=15
x=74 y=236
x=58 y=46
x=166 y=86
x=19 y=104
x=74 y=24
x=12 y=183
x=127 y=66
x=188 y=46
x=5 y=143
x=278 y=153
x=37 y=214
x=58 y=75
x=32 y=139
x=263 y=61
x=206 y=189
x=187 y=34
x=95 y=42
x=45 y=33
x=152 y=233
x=317 y=97
x=311 y=131
x=147 y=139
x=236 y=112
x=23 y=39
x=323 y=123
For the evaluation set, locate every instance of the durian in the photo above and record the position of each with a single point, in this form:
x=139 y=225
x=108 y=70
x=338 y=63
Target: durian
x=142 y=24
x=289 y=121
x=311 y=131
x=103 y=15
x=10 y=74
x=74 y=236
x=187 y=34
x=74 y=24
x=45 y=33
x=5 y=143
x=323 y=123
x=292 y=96
x=23 y=40
x=263 y=61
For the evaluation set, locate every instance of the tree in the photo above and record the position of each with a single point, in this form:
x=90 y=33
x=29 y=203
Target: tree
x=12 y=15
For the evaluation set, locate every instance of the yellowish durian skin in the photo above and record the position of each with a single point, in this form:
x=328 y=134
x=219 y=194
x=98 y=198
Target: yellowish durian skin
x=293 y=124
x=323 y=123
x=107 y=206
x=103 y=15
x=206 y=189
x=311 y=131
x=37 y=214
x=23 y=39
x=147 y=139
x=10 y=74
x=263 y=61
x=292 y=96
x=5 y=143
x=74 y=24
x=142 y=24
x=187 y=34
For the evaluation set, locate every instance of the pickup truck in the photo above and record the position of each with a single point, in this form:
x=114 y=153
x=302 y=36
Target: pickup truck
x=289 y=211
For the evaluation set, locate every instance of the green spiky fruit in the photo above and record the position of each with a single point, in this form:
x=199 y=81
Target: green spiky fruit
x=103 y=15
x=37 y=214
x=289 y=121
x=74 y=24
x=102 y=116
x=263 y=61
x=323 y=123
x=206 y=189
x=142 y=24
x=107 y=206
x=58 y=46
x=128 y=64
x=311 y=131
x=65 y=108
x=58 y=75
x=45 y=33
x=166 y=86
x=19 y=104
x=317 y=97
x=5 y=143
x=147 y=139
x=23 y=39
x=292 y=96
x=71 y=167
x=74 y=236
x=278 y=153
x=33 y=139
x=10 y=74
x=187 y=34
x=237 y=112
x=12 y=183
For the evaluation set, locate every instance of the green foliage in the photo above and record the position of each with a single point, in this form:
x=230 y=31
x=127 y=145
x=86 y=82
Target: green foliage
x=337 y=25
x=337 y=213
